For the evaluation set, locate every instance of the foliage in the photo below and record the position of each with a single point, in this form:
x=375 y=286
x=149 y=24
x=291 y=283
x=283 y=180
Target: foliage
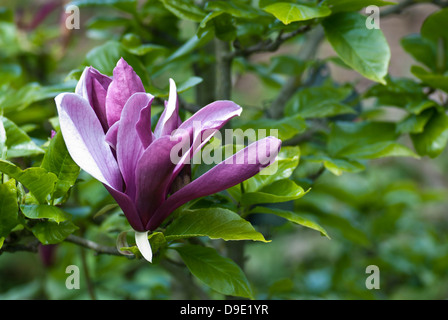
x=363 y=192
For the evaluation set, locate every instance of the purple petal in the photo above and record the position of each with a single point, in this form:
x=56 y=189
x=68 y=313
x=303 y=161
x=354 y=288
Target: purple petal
x=203 y=124
x=153 y=174
x=241 y=166
x=129 y=146
x=143 y=126
x=111 y=135
x=169 y=120
x=127 y=205
x=92 y=86
x=85 y=139
x=125 y=83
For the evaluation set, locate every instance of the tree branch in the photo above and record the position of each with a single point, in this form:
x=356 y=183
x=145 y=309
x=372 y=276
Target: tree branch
x=269 y=45
x=223 y=70
x=98 y=248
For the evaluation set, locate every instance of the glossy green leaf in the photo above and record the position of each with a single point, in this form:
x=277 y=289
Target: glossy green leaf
x=43 y=211
x=414 y=123
x=58 y=161
x=215 y=223
x=337 y=166
x=365 y=50
x=377 y=150
x=124 y=5
x=319 y=102
x=18 y=143
x=50 y=232
x=433 y=80
x=421 y=49
x=432 y=141
x=293 y=217
x=291 y=12
x=30 y=93
x=3 y=147
x=219 y=273
x=354 y=5
x=278 y=191
x=434 y=27
x=8 y=207
x=287 y=64
x=237 y=9
x=186 y=10
x=37 y=180
x=286 y=127
x=350 y=135
x=400 y=92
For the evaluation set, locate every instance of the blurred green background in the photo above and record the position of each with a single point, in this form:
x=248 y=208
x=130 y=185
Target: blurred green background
x=392 y=215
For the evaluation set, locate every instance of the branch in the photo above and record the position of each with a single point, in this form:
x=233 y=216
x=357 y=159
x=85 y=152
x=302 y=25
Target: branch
x=223 y=70
x=269 y=45
x=100 y=249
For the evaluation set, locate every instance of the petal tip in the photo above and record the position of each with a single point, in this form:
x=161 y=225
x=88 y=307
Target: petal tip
x=142 y=242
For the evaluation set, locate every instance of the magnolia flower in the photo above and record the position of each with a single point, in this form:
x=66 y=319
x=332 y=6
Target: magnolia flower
x=106 y=125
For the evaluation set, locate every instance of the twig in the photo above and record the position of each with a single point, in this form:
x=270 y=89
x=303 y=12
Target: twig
x=269 y=45
x=98 y=248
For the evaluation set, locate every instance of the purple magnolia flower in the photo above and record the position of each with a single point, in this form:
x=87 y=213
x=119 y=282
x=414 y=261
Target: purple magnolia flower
x=106 y=125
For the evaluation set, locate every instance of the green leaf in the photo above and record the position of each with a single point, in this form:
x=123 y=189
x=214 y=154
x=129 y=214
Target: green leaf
x=286 y=64
x=434 y=27
x=433 y=80
x=287 y=127
x=30 y=93
x=8 y=207
x=37 y=180
x=293 y=217
x=354 y=5
x=58 y=161
x=185 y=10
x=291 y=12
x=50 y=232
x=215 y=223
x=278 y=191
x=129 y=6
x=414 y=123
x=347 y=137
x=3 y=147
x=421 y=49
x=365 y=50
x=432 y=141
x=43 y=211
x=319 y=102
x=188 y=84
x=219 y=273
x=399 y=92
x=18 y=143
x=337 y=166
x=378 y=150
x=237 y=9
